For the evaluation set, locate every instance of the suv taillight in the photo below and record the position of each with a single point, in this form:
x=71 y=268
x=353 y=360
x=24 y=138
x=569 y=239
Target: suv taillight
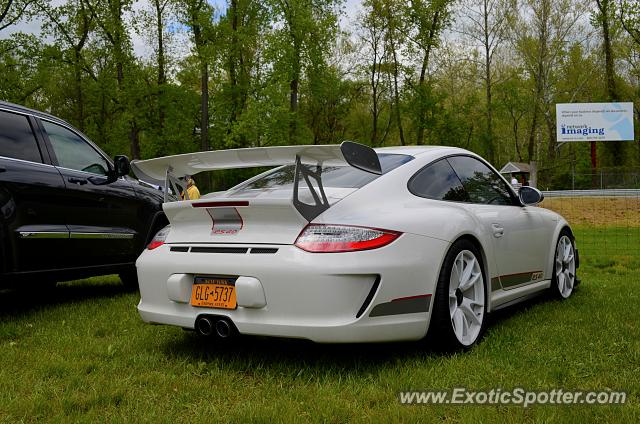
x=327 y=238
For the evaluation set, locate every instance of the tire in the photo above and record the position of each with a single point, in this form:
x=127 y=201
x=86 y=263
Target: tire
x=459 y=316
x=129 y=279
x=564 y=279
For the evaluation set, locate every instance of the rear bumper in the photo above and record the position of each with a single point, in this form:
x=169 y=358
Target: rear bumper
x=322 y=297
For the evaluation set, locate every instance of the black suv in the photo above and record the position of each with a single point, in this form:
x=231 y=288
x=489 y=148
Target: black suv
x=66 y=210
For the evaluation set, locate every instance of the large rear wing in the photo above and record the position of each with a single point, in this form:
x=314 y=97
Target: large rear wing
x=171 y=169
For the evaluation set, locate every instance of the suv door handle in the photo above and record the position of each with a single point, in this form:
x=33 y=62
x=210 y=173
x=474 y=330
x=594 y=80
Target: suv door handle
x=498 y=230
x=80 y=181
x=3 y=170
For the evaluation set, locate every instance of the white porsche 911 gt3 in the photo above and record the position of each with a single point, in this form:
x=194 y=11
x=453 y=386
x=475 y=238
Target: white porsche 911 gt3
x=349 y=244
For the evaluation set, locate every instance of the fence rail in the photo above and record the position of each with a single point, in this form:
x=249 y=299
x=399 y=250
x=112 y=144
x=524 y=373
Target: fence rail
x=606 y=222
x=622 y=192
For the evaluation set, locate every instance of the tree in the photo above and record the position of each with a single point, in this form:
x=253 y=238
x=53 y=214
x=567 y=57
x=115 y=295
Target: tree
x=160 y=12
x=393 y=14
x=241 y=28
x=486 y=23
x=541 y=41
x=428 y=20
x=630 y=18
x=111 y=21
x=372 y=32
x=71 y=24
x=198 y=16
x=308 y=27
x=12 y=11
x=604 y=18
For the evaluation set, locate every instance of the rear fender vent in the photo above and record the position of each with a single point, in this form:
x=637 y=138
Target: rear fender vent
x=369 y=298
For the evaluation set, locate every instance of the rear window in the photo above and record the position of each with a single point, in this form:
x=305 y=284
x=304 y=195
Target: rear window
x=17 y=140
x=332 y=176
x=438 y=181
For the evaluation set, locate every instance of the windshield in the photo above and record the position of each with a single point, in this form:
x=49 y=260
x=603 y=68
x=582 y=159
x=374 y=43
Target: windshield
x=332 y=176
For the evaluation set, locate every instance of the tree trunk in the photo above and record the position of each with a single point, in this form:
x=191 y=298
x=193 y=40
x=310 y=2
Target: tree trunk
x=396 y=96
x=160 y=27
x=296 y=70
x=161 y=65
x=374 y=105
x=204 y=107
x=134 y=139
x=233 y=75
x=422 y=117
x=204 y=82
x=551 y=133
x=78 y=88
x=532 y=132
x=604 y=6
x=77 y=67
x=294 y=87
x=539 y=75
x=488 y=86
x=293 y=109
x=515 y=138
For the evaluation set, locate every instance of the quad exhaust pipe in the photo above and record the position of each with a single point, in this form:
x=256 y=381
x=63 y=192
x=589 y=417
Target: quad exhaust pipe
x=213 y=326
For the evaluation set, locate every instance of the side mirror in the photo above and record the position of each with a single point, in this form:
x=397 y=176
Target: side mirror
x=530 y=196
x=121 y=165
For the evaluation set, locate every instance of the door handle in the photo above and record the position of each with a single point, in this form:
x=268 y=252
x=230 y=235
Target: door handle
x=3 y=170
x=498 y=230
x=80 y=181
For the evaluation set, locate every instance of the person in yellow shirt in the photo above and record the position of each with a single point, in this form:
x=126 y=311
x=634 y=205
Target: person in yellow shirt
x=192 y=190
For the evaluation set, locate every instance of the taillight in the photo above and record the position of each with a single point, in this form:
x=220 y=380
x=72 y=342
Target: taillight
x=159 y=238
x=323 y=238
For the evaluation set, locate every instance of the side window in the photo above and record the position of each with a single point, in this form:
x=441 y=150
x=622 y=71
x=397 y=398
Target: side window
x=17 y=140
x=73 y=152
x=480 y=182
x=438 y=181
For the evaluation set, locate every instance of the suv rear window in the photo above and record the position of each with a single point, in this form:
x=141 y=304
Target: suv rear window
x=332 y=176
x=17 y=140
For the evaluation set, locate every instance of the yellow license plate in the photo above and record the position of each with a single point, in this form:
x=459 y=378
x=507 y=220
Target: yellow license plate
x=214 y=292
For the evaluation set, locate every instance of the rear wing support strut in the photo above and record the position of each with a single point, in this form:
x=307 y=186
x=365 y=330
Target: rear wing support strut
x=309 y=212
x=172 y=183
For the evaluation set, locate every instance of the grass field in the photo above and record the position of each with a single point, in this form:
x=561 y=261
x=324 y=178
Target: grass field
x=606 y=228
x=82 y=354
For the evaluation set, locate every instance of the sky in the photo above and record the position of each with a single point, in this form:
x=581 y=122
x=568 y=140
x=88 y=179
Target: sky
x=141 y=45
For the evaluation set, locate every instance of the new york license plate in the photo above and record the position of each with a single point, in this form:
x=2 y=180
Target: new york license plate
x=214 y=292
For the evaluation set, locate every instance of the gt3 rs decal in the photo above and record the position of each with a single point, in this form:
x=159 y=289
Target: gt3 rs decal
x=226 y=221
x=535 y=276
x=512 y=280
x=403 y=305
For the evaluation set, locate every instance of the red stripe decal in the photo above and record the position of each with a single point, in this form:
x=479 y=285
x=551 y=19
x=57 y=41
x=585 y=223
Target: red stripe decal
x=220 y=204
x=411 y=297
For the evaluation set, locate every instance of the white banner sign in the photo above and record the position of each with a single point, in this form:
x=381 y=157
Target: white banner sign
x=594 y=121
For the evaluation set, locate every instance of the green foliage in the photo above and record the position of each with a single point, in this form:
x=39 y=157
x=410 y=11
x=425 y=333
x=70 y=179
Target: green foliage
x=284 y=72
